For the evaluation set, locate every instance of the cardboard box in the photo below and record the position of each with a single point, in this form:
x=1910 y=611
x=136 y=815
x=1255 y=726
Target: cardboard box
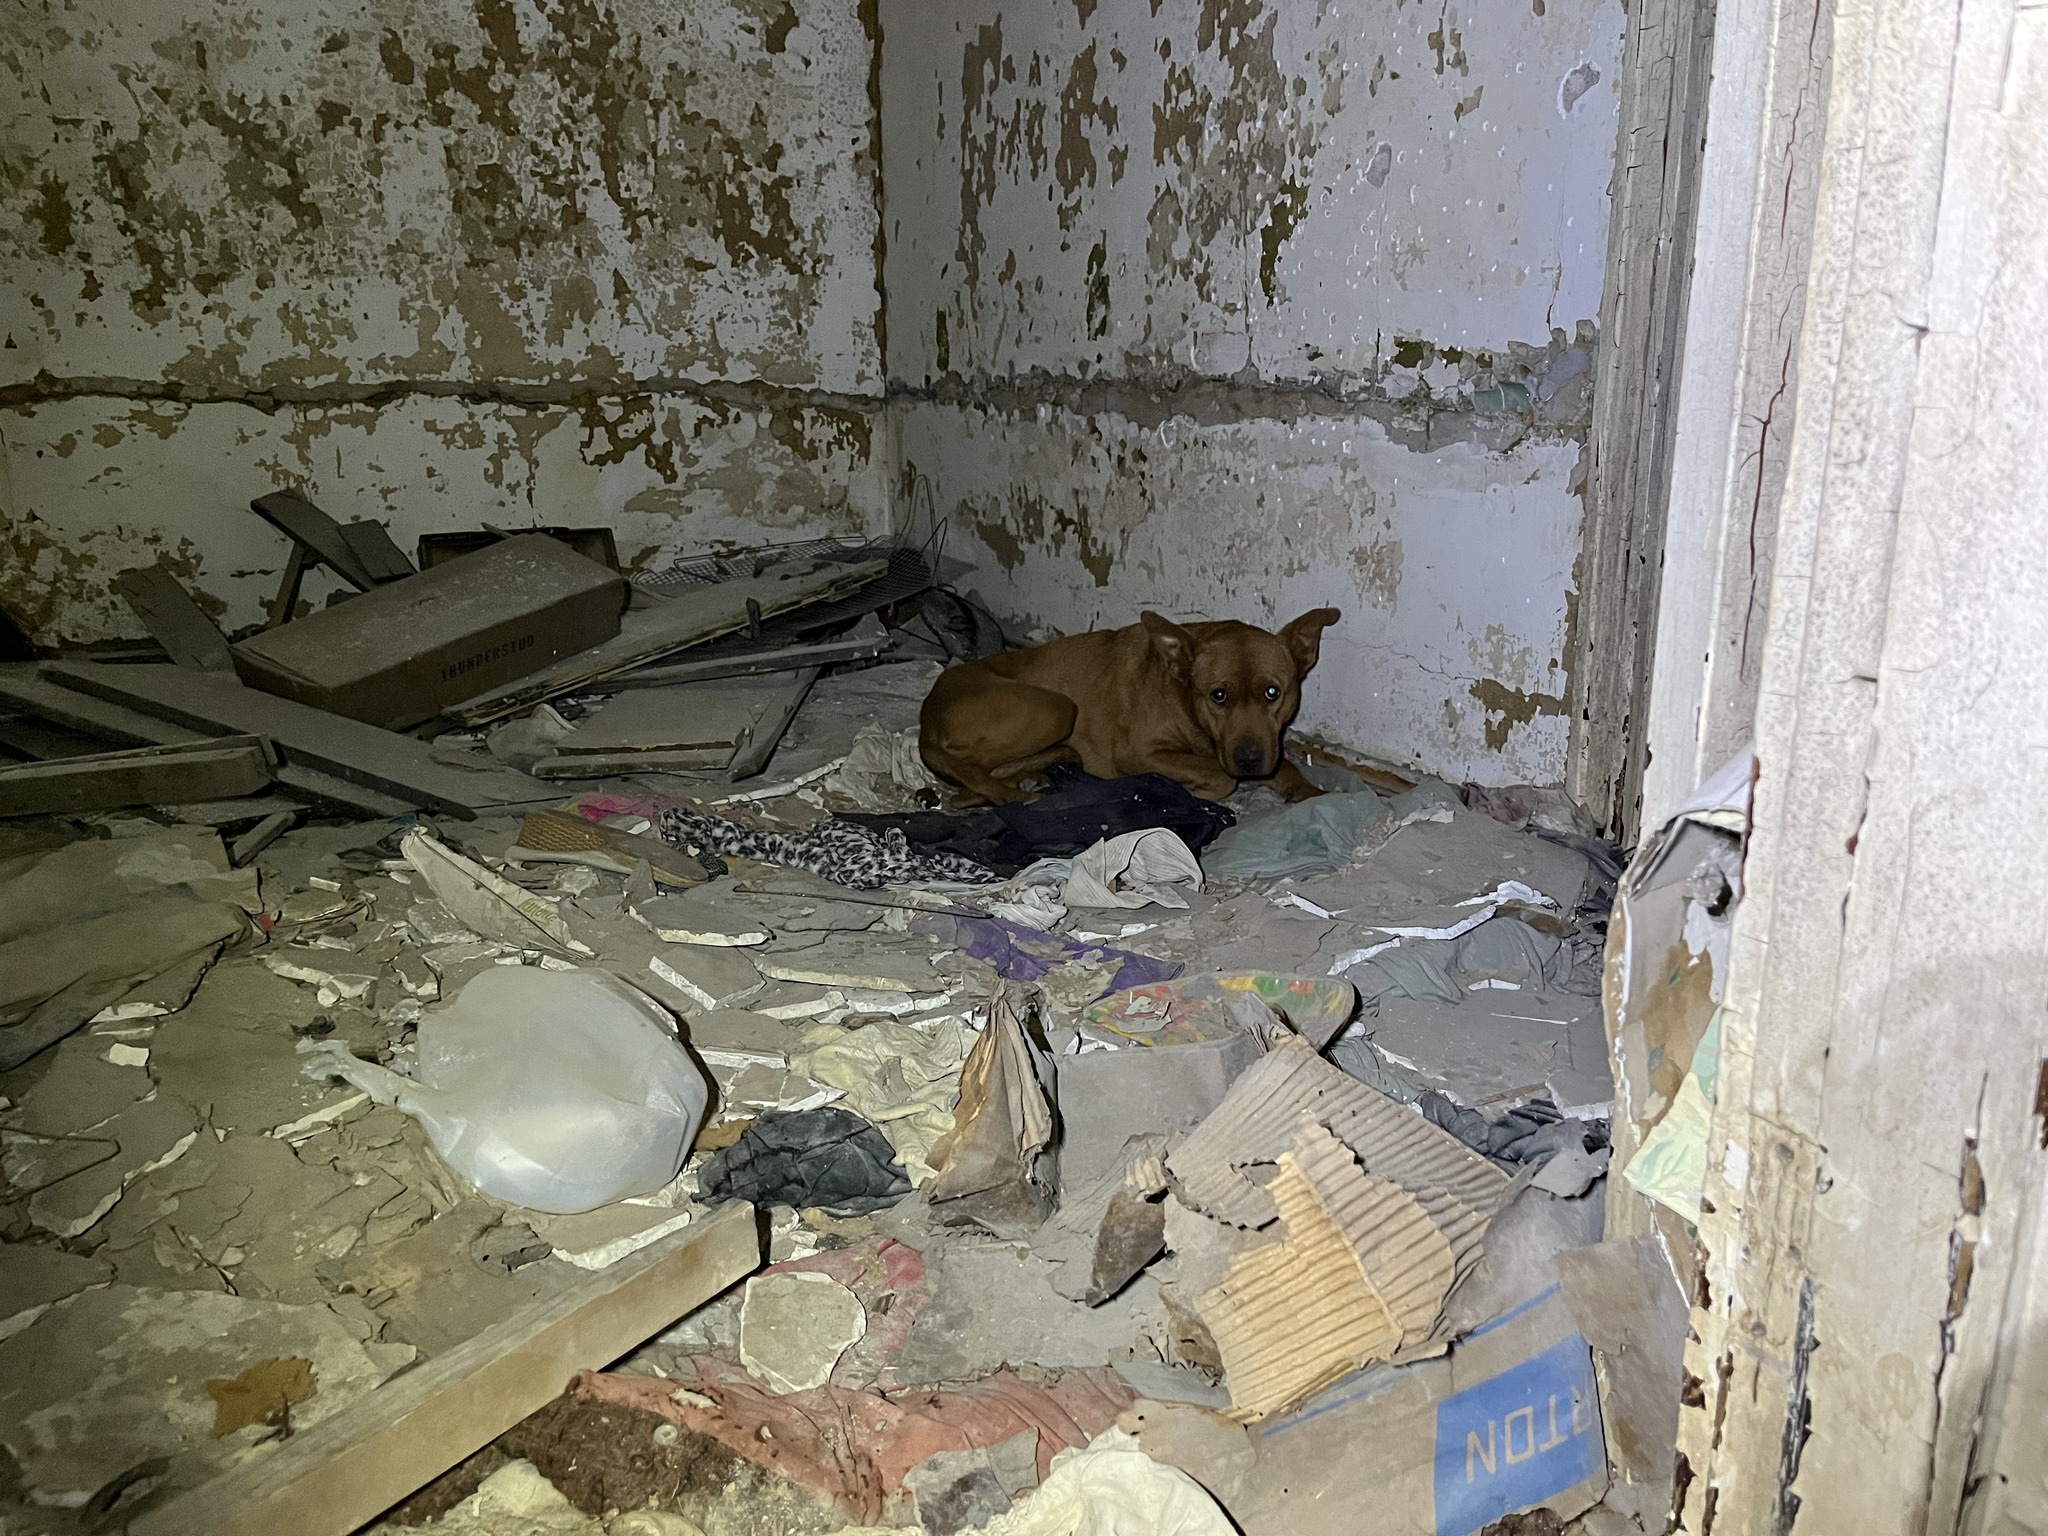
x=401 y=653
x=1509 y=1420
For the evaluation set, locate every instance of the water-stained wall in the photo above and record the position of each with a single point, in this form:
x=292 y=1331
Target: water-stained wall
x=1243 y=306
x=439 y=262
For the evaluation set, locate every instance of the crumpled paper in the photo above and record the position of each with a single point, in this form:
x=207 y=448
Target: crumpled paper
x=1110 y=1487
x=905 y=1078
x=1137 y=869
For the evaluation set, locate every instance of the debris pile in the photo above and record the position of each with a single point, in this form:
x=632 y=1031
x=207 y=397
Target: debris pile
x=1117 y=1150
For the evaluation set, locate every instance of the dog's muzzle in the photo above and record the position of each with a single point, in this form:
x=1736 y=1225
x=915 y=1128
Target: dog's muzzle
x=1248 y=761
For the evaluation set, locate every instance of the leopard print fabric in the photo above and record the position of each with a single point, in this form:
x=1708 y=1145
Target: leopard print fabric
x=838 y=850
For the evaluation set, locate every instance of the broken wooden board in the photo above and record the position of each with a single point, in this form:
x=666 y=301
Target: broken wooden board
x=24 y=687
x=689 y=619
x=868 y=640
x=174 y=620
x=767 y=733
x=260 y=837
x=347 y=749
x=225 y=814
x=341 y=1474
x=609 y=765
x=155 y=775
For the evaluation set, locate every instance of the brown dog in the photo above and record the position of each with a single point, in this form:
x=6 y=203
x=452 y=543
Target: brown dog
x=1205 y=704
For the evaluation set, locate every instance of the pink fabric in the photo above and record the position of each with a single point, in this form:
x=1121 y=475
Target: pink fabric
x=597 y=807
x=856 y=1447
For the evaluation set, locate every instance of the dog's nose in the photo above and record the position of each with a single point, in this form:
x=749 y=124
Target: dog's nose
x=1248 y=758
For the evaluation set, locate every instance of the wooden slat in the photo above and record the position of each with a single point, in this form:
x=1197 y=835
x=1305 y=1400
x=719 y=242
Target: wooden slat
x=313 y=530
x=649 y=634
x=343 y=1472
x=25 y=688
x=867 y=642
x=348 y=749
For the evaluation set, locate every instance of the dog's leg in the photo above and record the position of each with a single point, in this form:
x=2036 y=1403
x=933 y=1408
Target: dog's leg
x=987 y=733
x=1197 y=772
x=1293 y=783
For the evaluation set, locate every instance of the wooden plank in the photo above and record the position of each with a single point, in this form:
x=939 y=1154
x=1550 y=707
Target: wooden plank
x=24 y=687
x=342 y=1473
x=174 y=620
x=394 y=765
x=767 y=733
x=865 y=643
x=649 y=634
x=104 y=781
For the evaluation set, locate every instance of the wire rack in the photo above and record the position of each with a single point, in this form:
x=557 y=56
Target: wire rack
x=908 y=574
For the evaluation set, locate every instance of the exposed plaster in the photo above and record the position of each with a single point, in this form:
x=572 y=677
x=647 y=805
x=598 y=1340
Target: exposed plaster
x=1241 y=307
x=437 y=262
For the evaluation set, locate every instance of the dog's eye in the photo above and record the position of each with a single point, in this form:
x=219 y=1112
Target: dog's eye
x=1220 y=695
x=1272 y=691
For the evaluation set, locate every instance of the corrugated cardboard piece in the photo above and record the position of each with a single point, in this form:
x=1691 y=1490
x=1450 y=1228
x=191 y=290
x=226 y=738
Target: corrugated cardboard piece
x=1379 y=1216
x=1257 y=1120
x=1361 y=1272
x=402 y=652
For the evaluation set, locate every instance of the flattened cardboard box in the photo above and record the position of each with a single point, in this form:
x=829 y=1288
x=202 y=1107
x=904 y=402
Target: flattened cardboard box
x=1508 y=1421
x=401 y=653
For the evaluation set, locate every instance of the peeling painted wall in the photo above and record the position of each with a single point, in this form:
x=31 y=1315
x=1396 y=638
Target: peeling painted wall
x=1237 y=307
x=438 y=262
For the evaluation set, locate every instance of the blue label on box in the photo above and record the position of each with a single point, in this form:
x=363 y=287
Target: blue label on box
x=1515 y=1440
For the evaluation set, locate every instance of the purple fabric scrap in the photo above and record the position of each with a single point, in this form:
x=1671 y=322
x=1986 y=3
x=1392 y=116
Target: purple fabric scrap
x=1020 y=953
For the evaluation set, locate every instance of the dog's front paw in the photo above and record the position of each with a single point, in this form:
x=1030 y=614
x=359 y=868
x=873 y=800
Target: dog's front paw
x=1293 y=784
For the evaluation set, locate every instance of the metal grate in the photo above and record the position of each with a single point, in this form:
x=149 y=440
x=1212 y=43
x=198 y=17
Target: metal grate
x=908 y=574
x=736 y=565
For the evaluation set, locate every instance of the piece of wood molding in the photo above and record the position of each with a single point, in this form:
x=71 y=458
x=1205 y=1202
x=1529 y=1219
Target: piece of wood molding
x=174 y=620
x=1666 y=71
x=298 y=519
x=151 y=775
x=344 y=1472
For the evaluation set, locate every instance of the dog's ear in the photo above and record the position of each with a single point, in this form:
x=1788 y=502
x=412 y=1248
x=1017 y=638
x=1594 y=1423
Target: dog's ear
x=1176 y=647
x=1304 y=637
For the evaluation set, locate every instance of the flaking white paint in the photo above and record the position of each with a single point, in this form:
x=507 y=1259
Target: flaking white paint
x=1260 y=520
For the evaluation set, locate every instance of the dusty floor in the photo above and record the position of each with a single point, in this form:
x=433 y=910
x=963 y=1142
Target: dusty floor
x=184 y=1206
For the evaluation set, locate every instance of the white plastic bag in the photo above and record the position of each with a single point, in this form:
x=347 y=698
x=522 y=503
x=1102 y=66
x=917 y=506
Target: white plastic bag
x=557 y=1090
